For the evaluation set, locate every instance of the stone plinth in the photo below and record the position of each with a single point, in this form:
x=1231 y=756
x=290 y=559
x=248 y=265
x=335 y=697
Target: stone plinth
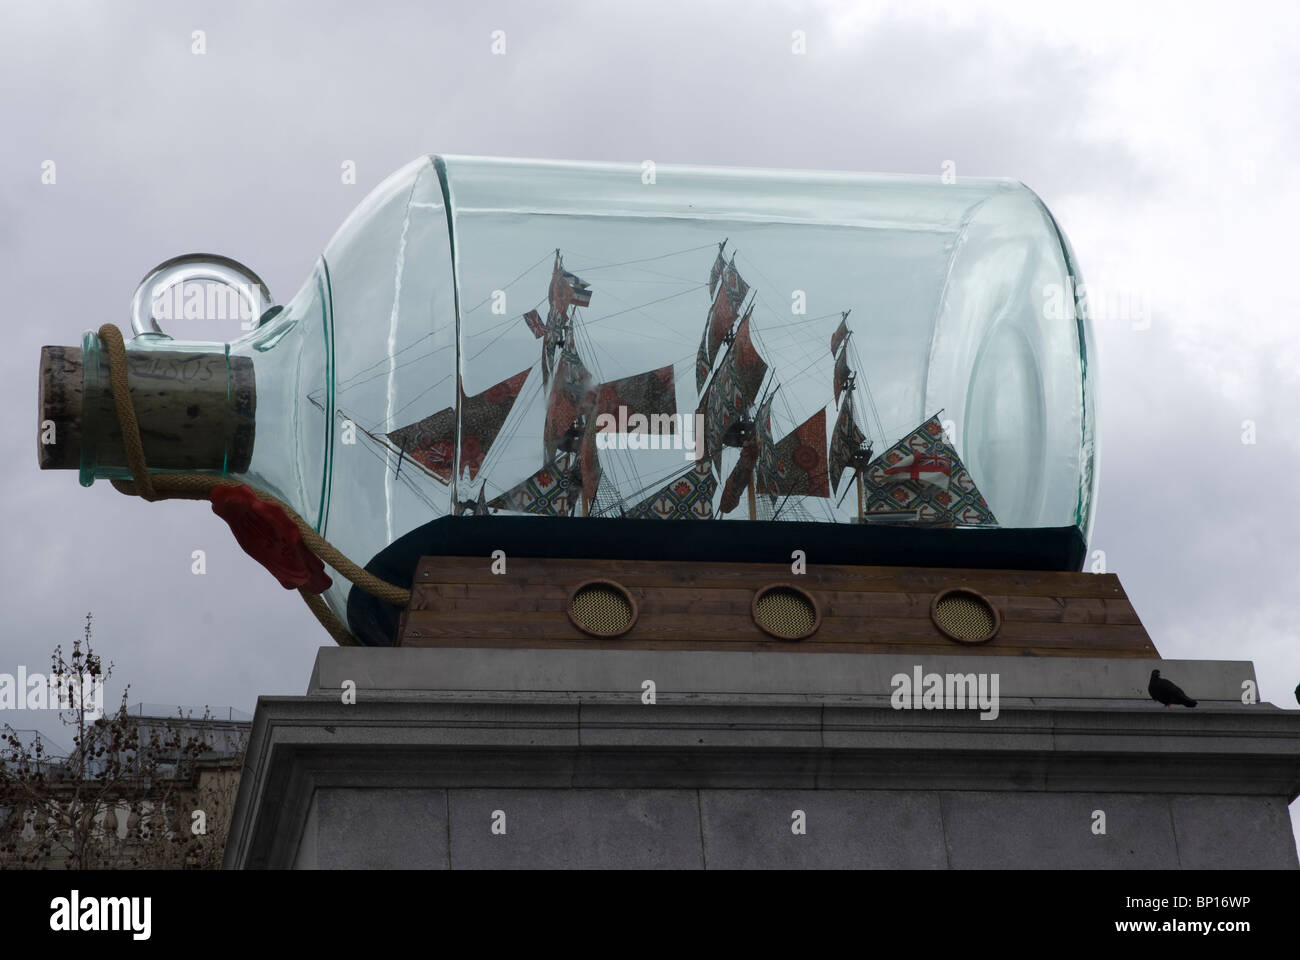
x=445 y=748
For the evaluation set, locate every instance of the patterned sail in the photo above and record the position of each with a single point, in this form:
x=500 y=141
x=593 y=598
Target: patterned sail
x=552 y=337
x=841 y=333
x=846 y=439
x=731 y=293
x=721 y=316
x=842 y=375
x=689 y=497
x=739 y=478
x=801 y=459
x=715 y=274
x=737 y=289
x=549 y=492
x=643 y=403
x=431 y=441
x=919 y=478
x=767 y=479
x=734 y=388
x=572 y=396
x=589 y=463
x=922 y=474
x=565 y=291
x=533 y=320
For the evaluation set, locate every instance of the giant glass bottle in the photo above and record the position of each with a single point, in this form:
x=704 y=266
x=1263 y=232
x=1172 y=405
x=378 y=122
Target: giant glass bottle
x=578 y=341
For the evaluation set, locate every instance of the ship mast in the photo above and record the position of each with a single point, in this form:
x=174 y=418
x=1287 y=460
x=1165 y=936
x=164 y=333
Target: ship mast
x=849 y=446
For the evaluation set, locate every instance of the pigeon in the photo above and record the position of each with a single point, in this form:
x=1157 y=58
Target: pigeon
x=1167 y=692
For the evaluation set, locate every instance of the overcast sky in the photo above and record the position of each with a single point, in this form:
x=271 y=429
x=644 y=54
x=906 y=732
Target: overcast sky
x=1162 y=136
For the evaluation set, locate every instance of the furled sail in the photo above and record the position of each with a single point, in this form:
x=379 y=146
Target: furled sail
x=688 y=497
x=432 y=441
x=922 y=474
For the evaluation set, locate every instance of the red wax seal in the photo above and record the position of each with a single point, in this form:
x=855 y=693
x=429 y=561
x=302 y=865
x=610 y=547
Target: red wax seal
x=266 y=534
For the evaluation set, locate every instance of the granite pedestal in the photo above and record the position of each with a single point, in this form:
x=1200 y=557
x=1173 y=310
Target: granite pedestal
x=474 y=758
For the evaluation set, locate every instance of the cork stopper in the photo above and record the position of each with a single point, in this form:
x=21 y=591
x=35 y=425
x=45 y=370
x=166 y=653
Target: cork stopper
x=196 y=412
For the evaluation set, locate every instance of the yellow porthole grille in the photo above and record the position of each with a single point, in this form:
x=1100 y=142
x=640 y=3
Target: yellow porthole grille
x=786 y=613
x=602 y=609
x=965 y=616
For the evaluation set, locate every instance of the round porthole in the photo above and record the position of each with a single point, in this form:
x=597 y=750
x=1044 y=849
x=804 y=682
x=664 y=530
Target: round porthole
x=602 y=608
x=965 y=616
x=786 y=612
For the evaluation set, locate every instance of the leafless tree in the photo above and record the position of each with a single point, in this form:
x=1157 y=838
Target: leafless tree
x=123 y=797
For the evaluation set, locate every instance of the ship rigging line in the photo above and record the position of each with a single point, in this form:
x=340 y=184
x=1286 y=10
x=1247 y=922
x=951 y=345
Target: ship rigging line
x=866 y=385
x=800 y=323
x=381 y=442
x=671 y=296
x=621 y=469
x=424 y=356
x=618 y=478
x=797 y=421
x=546 y=256
x=624 y=263
x=448 y=376
x=509 y=430
x=346 y=382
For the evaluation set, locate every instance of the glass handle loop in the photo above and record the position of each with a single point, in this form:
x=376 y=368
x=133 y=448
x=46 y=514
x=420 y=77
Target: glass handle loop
x=196 y=267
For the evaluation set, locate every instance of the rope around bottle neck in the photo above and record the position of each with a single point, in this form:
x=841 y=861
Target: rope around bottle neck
x=197 y=486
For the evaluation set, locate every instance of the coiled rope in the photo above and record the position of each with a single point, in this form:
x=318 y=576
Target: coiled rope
x=197 y=486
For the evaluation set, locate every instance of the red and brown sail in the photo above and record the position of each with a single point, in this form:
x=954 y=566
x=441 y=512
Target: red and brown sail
x=431 y=442
x=734 y=389
x=571 y=400
x=741 y=475
x=841 y=333
x=846 y=439
x=729 y=291
x=801 y=459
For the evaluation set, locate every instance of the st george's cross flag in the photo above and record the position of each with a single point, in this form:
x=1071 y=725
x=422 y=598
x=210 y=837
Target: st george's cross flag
x=931 y=468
